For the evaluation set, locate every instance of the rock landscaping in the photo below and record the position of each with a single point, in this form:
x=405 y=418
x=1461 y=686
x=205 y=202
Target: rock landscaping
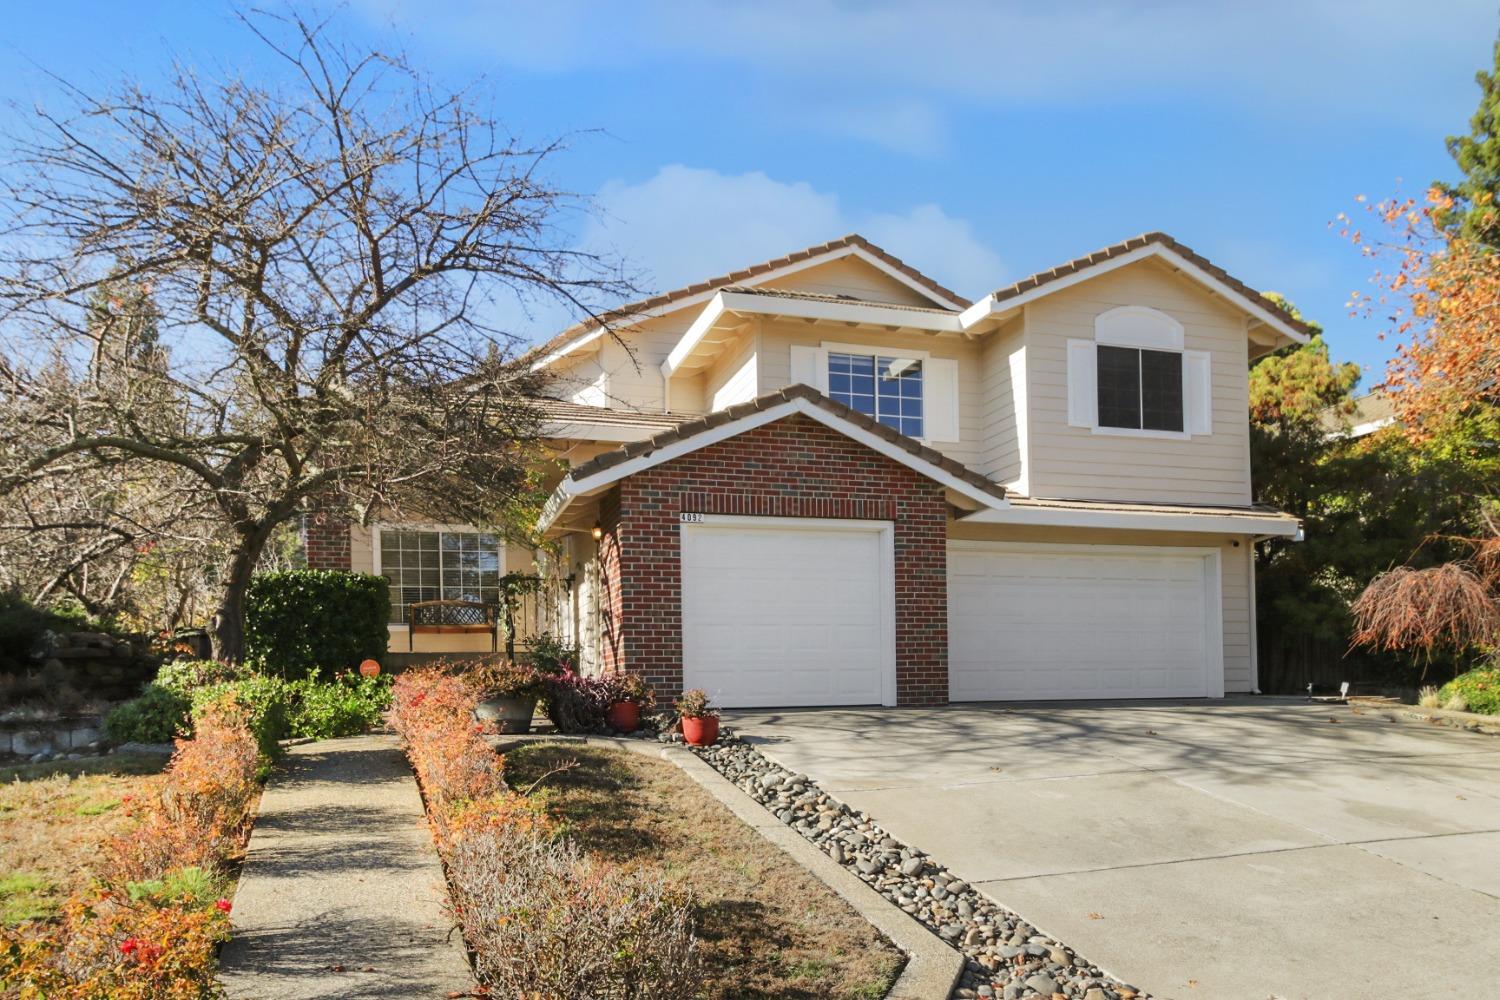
x=1005 y=957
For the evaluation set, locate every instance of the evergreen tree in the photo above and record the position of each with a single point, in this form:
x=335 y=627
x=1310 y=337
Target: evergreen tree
x=1473 y=213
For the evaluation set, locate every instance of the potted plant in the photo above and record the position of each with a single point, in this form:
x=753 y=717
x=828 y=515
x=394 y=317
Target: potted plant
x=629 y=696
x=508 y=693
x=700 y=723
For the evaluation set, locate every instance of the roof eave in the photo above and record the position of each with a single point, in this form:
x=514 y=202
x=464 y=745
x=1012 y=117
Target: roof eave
x=851 y=245
x=749 y=304
x=746 y=416
x=993 y=307
x=1219 y=523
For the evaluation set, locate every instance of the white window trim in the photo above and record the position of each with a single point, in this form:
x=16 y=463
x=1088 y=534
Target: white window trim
x=1168 y=337
x=828 y=347
x=376 y=544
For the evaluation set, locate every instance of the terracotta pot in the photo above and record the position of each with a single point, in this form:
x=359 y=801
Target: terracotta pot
x=512 y=715
x=700 y=730
x=624 y=716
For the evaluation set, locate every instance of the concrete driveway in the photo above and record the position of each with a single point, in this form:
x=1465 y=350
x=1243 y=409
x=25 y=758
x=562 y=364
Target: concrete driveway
x=1237 y=849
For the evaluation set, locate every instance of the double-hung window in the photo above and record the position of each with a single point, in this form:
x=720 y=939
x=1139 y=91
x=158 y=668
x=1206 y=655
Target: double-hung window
x=434 y=564
x=1139 y=388
x=885 y=387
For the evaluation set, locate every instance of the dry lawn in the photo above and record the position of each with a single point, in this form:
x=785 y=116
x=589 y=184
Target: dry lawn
x=52 y=819
x=768 y=929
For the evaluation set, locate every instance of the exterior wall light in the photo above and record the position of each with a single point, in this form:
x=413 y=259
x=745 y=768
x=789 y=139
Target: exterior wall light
x=597 y=531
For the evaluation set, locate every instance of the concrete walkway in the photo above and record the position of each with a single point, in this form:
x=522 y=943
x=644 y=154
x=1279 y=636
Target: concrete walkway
x=343 y=894
x=1228 y=850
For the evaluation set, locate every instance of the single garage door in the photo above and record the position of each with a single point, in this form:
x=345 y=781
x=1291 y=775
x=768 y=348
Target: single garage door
x=788 y=611
x=1028 y=621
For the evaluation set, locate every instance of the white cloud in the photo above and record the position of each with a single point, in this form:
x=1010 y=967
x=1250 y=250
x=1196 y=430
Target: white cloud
x=685 y=224
x=904 y=125
x=1280 y=56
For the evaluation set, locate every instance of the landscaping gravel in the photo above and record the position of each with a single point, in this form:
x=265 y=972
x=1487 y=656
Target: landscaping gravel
x=1005 y=957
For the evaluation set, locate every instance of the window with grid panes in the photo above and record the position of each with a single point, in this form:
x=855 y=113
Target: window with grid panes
x=424 y=565
x=886 y=388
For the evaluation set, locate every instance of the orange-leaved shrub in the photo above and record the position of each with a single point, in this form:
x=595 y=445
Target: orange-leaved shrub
x=432 y=711
x=134 y=935
x=200 y=816
x=106 y=947
x=542 y=918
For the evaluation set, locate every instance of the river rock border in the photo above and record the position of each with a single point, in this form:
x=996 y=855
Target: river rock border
x=1004 y=956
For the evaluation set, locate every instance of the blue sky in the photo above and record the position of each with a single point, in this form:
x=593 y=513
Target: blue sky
x=979 y=141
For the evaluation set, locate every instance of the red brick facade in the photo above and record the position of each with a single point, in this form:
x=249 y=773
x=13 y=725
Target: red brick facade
x=325 y=540
x=795 y=467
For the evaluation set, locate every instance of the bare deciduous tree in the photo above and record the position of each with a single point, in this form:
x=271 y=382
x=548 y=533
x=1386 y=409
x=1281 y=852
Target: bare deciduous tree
x=324 y=259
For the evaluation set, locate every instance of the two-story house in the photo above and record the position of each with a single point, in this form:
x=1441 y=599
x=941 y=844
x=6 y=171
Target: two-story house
x=828 y=480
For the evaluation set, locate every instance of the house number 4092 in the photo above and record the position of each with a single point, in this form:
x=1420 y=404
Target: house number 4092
x=688 y=518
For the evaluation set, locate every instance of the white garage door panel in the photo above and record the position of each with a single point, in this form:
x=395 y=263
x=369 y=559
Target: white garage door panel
x=782 y=612
x=1055 y=622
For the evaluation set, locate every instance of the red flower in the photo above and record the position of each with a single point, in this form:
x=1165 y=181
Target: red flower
x=224 y=906
x=129 y=945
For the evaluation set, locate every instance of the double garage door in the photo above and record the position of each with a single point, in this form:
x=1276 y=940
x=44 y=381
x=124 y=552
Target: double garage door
x=801 y=612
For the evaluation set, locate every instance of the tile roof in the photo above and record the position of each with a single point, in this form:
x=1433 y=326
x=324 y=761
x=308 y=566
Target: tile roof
x=700 y=425
x=1138 y=507
x=799 y=296
x=1135 y=243
x=629 y=310
x=563 y=412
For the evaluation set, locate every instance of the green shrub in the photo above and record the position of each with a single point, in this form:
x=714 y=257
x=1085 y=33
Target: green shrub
x=159 y=715
x=551 y=655
x=301 y=620
x=1480 y=690
x=187 y=676
x=267 y=704
x=345 y=706
x=191 y=886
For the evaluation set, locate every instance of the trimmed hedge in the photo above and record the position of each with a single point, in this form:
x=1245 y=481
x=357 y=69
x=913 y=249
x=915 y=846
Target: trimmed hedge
x=300 y=621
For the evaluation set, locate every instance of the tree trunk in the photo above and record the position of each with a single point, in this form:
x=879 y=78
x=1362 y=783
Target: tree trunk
x=226 y=629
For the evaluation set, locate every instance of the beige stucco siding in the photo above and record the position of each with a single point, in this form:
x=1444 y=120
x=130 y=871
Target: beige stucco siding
x=582 y=380
x=778 y=336
x=734 y=378
x=1066 y=461
x=361 y=549
x=1234 y=562
x=628 y=373
x=1002 y=399
x=633 y=377
x=851 y=276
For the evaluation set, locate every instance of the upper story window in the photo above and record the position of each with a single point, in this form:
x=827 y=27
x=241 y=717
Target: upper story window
x=887 y=388
x=1136 y=377
x=438 y=564
x=1140 y=389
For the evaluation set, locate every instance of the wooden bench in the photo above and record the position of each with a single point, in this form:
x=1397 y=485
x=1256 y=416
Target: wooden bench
x=449 y=617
